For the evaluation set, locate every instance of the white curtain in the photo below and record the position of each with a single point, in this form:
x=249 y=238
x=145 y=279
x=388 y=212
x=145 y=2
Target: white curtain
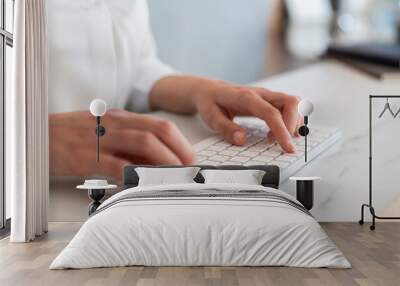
x=27 y=122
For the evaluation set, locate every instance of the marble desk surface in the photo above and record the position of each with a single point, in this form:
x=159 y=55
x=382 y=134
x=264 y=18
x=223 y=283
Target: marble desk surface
x=340 y=95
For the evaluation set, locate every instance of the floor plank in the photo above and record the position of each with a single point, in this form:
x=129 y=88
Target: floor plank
x=375 y=257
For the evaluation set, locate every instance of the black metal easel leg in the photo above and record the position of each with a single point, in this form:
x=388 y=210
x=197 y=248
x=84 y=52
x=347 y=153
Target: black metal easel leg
x=374 y=216
x=361 y=221
x=372 y=211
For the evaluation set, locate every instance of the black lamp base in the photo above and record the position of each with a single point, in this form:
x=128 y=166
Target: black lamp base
x=95 y=195
x=305 y=193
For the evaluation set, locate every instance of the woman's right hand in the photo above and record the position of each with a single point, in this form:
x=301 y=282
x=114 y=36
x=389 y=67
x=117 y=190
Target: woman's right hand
x=130 y=138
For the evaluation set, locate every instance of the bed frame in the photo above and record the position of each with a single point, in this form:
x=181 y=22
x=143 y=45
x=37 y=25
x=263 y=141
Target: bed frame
x=270 y=179
x=304 y=189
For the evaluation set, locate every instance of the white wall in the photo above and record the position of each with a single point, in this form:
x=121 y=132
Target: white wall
x=224 y=39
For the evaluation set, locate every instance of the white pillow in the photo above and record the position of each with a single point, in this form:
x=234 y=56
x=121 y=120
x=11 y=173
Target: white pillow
x=248 y=177
x=164 y=176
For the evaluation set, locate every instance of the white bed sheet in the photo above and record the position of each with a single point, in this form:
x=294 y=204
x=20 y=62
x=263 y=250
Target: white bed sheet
x=200 y=231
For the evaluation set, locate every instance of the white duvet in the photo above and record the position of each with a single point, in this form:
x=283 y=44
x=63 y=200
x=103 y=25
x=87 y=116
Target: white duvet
x=187 y=231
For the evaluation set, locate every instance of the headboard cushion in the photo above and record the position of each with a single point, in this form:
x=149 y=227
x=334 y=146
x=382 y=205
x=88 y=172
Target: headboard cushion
x=270 y=179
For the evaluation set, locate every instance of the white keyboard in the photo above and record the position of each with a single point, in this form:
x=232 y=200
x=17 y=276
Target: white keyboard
x=215 y=151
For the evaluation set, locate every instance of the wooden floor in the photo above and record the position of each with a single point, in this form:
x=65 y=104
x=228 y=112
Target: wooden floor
x=375 y=257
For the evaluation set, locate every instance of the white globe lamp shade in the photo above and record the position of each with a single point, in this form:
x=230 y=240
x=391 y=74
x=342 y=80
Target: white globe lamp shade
x=305 y=107
x=98 y=107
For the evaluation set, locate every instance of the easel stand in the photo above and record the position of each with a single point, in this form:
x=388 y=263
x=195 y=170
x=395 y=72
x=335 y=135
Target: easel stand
x=370 y=205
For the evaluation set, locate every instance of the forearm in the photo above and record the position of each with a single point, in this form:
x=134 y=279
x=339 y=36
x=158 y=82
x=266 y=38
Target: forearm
x=178 y=93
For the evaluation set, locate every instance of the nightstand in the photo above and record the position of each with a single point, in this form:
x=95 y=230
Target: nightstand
x=96 y=190
x=305 y=190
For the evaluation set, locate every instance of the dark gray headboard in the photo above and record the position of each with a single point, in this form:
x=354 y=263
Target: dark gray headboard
x=270 y=179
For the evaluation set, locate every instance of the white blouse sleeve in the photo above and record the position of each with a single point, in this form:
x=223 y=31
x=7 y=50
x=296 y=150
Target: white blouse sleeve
x=148 y=69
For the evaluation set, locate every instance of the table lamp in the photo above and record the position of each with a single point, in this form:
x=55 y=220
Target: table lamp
x=97 y=188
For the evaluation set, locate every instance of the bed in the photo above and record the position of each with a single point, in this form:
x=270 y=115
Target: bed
x=201 y=224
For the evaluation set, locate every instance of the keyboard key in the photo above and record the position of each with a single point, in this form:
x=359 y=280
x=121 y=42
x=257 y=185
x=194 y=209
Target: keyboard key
x=271 y=153
x=201 y=158
x=240 y=159
x=300 y=148
x=220 y=158
x=310 y=143
x=258 y=149
x=237 y=148
x=276 y=148
x=207 y=153
x=286 y=158
x=216 y=148
x=297 y=154
x=248 y=153
x=207 y=142
x=265 y=143
x=264 y=159
x=224 y=144
x=229 y=152
x=252 y=141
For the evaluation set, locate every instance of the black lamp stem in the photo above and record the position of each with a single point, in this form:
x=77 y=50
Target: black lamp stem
x=98 y=137
x=305 y=138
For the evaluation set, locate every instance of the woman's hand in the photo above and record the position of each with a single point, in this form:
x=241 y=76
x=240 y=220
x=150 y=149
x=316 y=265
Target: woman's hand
x=218 y=102
x=130 y=138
